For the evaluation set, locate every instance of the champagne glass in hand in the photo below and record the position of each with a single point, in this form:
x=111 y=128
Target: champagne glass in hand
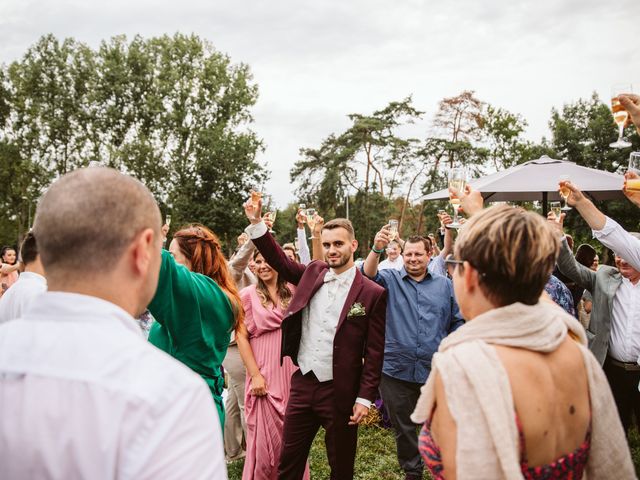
x=564 y=192
x=457 y=184
x=311 y=220
x=620 y=115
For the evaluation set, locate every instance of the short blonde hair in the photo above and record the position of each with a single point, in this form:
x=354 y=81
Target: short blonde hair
x=87 y=218
x=514 y=251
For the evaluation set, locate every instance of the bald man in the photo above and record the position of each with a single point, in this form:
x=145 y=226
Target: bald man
x=83 y=394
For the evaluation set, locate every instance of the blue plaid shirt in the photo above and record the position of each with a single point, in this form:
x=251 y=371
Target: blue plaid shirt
x=419 y=316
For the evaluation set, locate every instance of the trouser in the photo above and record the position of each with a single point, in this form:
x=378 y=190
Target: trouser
x=624 y=386
x=400 y=400
x=234 y=426
x=311 y=405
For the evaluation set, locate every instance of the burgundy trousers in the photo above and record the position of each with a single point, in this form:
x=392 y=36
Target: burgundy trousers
x=311 y=405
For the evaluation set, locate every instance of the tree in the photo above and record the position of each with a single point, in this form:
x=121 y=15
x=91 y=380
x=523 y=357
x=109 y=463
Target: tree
x=581 y=133
x=171 y=111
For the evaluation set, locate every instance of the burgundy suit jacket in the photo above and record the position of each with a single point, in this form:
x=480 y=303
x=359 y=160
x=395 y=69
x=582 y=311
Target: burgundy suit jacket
x=358 y=346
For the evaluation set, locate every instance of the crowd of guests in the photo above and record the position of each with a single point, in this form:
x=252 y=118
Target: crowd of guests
x=500 y=355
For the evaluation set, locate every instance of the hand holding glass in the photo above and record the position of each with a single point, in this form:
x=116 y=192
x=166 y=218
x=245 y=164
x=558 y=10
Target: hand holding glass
x=457 y=183
x=634 y=166
x=620 y=115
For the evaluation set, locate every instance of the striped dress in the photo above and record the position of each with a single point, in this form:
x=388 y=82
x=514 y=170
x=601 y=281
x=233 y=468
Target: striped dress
x=265 y=415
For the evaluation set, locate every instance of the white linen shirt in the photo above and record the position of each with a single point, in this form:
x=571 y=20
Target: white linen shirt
x=625 y=245
x=21 y=295
x=83 y=395
x=624 y=342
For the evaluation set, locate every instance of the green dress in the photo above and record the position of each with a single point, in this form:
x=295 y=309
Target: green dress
x=193 y=322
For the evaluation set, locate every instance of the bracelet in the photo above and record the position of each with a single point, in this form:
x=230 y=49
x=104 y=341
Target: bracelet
x=373 y=249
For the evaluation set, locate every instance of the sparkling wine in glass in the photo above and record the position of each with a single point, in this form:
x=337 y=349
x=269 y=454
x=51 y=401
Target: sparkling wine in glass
x=457 y=182
x=311 y=220
x=564 y=193
x=634 y=166
x=556 y=208
x=256 y=195
x=393 y=228
x=620 y=115
x=167 y=220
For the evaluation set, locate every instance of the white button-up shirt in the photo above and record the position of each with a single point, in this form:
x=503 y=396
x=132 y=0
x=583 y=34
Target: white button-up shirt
x=624 y=343
x=21 y=295
x=625 y=245
x=319 y=322
x=83 y=395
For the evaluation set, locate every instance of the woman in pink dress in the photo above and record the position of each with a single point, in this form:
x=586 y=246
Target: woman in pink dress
x=8 y=268
x=267 y=384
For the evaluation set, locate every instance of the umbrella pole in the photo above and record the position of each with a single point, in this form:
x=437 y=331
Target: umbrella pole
x=545 y=204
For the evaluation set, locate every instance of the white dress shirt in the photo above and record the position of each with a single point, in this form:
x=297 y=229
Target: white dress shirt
x=320 y=320
x=20 y=296
x=624 y=342
x=83 y=395
x=625 y=245
x=398 y=263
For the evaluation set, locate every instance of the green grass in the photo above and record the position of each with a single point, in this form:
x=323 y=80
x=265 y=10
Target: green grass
x=376 y=457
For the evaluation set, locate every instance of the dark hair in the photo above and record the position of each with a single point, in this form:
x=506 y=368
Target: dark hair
x=420 y=239
x=585 y=255
x=5 y=249
x=291 y=247
x=29 y=249
x=340 y=223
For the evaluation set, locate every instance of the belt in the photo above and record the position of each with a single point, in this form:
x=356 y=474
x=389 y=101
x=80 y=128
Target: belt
x=629 y=367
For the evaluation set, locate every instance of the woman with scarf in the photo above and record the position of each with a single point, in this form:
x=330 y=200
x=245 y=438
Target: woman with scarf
x=515 y=393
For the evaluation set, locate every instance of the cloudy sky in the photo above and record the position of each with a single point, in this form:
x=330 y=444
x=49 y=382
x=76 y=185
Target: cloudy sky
x=316 y=62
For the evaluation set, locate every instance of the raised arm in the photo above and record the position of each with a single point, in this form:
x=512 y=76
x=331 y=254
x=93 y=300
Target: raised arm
x=567 y=263
x=447 y=246
x=303 y=246
x=6 y=268
x=240 y=261
x=606 y=230
x=272 y=252
x=316 y=243
x=380 y=242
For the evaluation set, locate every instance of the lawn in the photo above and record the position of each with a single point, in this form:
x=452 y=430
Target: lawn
x=376 y=457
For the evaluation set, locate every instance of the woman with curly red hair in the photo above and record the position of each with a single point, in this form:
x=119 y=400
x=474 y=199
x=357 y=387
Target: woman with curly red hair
x=196 y=306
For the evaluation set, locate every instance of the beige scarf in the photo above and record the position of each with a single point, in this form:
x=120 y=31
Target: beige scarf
x=479 y=394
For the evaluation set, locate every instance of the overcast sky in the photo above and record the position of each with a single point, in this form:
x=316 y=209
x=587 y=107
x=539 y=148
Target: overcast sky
x=317 y=62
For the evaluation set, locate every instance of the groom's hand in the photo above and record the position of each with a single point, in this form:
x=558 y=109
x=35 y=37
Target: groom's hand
x=359 y=413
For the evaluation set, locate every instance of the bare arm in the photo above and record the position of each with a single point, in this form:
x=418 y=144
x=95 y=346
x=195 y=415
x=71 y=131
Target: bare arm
x=631 y=104
x=594 y=217
x=6 y=268
x=445 y=431
x=258 y=383
x=316 y=242
x=380 y=242
x=632 y=195
x=447 y=247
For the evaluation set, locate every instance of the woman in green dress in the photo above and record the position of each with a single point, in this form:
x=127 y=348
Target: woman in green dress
x=196 y=306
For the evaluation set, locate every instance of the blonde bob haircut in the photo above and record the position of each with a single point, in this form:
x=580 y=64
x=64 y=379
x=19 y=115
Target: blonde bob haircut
x=514 y=251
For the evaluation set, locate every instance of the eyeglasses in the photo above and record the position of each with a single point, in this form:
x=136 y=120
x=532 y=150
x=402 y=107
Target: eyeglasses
x=451 y=265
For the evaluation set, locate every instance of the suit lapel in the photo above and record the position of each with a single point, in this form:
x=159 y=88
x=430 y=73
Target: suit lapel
x=354 y=291
x=615 y=279
x=304 y=294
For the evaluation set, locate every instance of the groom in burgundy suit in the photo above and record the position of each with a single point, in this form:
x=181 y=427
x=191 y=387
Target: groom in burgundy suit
x=333 y=330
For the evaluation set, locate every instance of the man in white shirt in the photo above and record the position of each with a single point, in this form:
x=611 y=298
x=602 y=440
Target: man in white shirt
x=605 y=229
x=30 y=284
x=83 y=394
x=394 y=259
x=333 y=330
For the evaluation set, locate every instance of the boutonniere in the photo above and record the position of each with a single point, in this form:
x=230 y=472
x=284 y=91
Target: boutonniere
x=357 y=310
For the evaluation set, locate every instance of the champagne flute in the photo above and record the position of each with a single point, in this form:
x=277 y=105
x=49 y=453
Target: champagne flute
x=310 y=213
x=440 y=214
x=556 y=208
x=620 y=115
x=634 y=166
x=167 y=220
x=256 y=195
x=393 y=228
x=302 y=208
x=457 y=181
x=564 y=193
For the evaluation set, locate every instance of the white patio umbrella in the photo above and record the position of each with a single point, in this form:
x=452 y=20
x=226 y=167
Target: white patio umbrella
x=538 y=180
